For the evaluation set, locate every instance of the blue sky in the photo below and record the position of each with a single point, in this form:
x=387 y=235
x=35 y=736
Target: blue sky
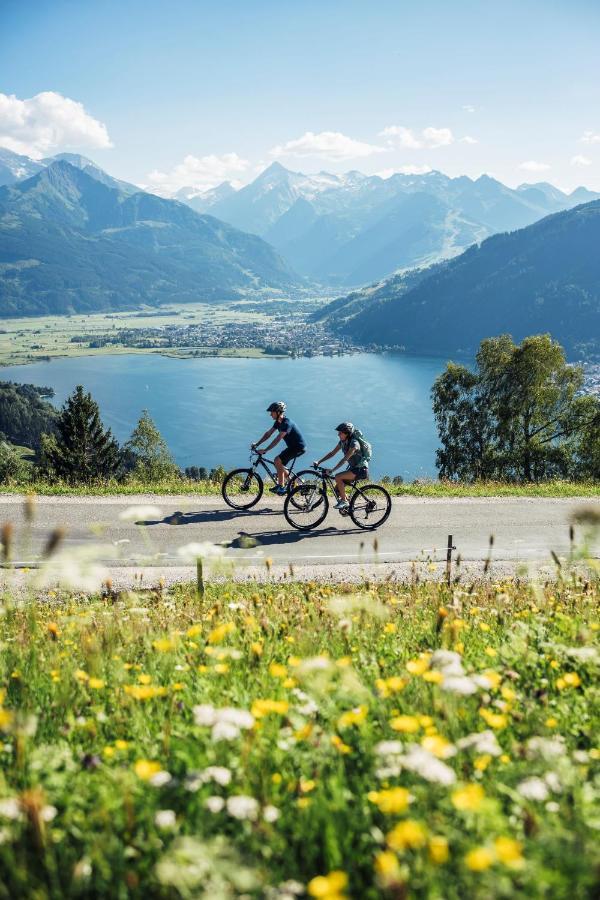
x=167 y=93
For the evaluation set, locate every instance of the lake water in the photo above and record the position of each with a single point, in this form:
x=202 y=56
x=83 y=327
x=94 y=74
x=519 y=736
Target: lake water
x=209 y=410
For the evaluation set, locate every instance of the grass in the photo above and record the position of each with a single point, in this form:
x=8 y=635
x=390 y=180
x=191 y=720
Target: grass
x=181 y=486
x=399 y=741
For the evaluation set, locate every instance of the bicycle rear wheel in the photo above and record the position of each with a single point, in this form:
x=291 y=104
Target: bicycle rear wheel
x=306 y=506
x=370 y=506
x=242 y=488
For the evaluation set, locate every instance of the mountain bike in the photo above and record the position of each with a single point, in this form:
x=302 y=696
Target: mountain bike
x=243 y=488
x=307 y=504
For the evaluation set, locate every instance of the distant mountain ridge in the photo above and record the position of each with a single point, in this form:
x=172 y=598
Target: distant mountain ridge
x=354 y=228
x=73 y=239
x=542 y=278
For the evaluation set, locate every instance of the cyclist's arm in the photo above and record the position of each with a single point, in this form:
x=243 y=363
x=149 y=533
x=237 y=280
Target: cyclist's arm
x=346 y=458
x=266 y=435
x=280 y=435
x=328 y=455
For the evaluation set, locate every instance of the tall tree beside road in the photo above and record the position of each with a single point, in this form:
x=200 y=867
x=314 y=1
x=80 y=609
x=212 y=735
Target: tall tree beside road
x=25 y=413
x=81 y=450
x=148 y=452
x=517 y=415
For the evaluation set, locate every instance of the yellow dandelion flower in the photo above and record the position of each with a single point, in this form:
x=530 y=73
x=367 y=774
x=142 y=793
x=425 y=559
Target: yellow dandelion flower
x=96 y=684
x=386 y=866
x=219 y=633
x=405 y=724
x=328 y=887
x=418 y=666
x=339 y=745
x=307 y=785
x=109 y=752
x=146 y=769
x=277 y=670
x=276 y=778
x=145 y=679
x=6 y=718
x=221 y=668
x=494 y=720
x=491 y=652
x=257 y=648
x=343 y=662
x=391 y=801
x=353 y=717
x=52 y=629
x=433 y=677
x=390 y=628
x=80 y=675
x=482 y=762
x=572 y=679
x=407 y=835
x=303 y=802
x=468 y=798
x=437 y=847
x=194 y=630
x=121 y=745
x=437 y=745
x=551 y=722
x=510 y=852
x=479 y=859
x=494 y=678
x=164 y=645
x=262 y=708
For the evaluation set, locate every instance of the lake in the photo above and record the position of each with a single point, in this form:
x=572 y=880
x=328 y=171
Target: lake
x=209 y=410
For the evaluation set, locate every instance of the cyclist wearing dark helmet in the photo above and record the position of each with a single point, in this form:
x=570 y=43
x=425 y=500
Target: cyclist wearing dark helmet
x=288 y=431
x=354 y=456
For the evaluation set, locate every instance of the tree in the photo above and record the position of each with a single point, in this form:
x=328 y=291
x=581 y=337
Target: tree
x=12 y=465
x=517 y=415
x=25 y=413
x=149 y=452
x=81 y=450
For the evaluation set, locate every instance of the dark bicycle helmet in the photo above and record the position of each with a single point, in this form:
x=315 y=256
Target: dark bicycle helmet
x=278 y=407
x=346 y=427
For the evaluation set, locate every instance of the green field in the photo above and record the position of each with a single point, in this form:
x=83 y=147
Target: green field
x=52 y=335
x=272 y=741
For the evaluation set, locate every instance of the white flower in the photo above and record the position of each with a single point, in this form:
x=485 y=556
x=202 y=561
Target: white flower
x=428 y=766
x=447 y=661
x=205 y=550
x=271 y=813
x=546 y=748
x=48 y=813
x=389 y=748
x=533 y=788
x=224 y=731
x=242 y=807
x=140 y=513
x=219 y=774
x=160 y=779
x=553 y=782
x=241 y=718
x=459 y=684
x=583 y=654
x=308 y=707
x=76 y=568
x=10 y=808
x=214 y=804
x=552 y=806
x=481 y=742
x=205 y=715
x=165 y=818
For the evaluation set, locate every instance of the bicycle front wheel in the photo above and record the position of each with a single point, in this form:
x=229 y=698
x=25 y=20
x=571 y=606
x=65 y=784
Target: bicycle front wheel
x=306 y=506
x=242 y=488
x=305 y=478
x=370 y=506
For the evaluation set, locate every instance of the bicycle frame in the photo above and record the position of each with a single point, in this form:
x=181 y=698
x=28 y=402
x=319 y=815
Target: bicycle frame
x=258 y=460
x=328 y=480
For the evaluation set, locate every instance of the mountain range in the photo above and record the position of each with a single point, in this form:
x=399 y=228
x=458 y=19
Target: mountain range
x=74 y=239
x=352 y=229
x=542 y=278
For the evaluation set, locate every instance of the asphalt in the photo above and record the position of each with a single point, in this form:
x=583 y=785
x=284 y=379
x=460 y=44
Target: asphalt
x=515 y=535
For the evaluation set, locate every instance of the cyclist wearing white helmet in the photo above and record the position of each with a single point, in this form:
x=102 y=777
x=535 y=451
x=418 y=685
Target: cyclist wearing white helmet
x=289 y=432
x=354 y=456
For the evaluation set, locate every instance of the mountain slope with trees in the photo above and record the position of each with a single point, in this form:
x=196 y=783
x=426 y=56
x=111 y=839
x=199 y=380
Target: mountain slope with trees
x=70 y=241
x=543 y=278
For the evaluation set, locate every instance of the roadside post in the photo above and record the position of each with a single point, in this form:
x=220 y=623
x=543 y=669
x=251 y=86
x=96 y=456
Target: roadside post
x=449 y=550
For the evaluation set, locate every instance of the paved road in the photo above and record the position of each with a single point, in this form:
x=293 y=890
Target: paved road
x=524 y=530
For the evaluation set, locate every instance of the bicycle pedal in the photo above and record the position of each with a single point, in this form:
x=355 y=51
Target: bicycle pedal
x=343 y=512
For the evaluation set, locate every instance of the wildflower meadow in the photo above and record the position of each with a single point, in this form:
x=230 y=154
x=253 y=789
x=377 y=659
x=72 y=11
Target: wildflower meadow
x=302 y=740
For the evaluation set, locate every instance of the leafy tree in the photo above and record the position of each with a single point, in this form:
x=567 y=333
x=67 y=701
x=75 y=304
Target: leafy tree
x=25 y=413
x=81 y=450
x=517 y=415
x=12 y=465
x=149 y=452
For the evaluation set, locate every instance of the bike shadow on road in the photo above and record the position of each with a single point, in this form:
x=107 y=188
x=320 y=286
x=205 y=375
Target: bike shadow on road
x=210 y=515
x=267 y=538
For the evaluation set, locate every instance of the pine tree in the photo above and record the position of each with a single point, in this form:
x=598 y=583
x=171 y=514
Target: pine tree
x=149 y=452
x=81 y=450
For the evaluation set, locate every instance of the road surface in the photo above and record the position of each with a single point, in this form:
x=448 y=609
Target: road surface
x=525 y=531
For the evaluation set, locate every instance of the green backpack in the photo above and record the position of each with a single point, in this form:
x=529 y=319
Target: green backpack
x=365 y=447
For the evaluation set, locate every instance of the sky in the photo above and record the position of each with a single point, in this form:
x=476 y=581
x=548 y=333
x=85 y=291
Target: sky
x=187 y=92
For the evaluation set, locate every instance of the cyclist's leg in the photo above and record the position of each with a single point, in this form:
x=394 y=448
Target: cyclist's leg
x=281 y=462
x=341 y=481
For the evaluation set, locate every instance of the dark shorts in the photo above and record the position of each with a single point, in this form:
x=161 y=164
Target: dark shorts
x=361 y=472
x=288 y=455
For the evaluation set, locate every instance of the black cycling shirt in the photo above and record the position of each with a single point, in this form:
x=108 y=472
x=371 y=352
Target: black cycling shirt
x=292 y=437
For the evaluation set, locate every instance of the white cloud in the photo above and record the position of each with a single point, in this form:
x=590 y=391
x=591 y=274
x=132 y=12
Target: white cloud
x=580 y=160
x=201 y=173
x=47 y=123
x=467 y=139
x=588 y=137
x=326 y=144
x=404 y=137
x=429 y=138
x=533 y=165
x=405 y=170
x=468 y=108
